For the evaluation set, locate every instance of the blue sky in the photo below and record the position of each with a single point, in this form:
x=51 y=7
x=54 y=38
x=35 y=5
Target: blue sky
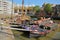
x=37 y=2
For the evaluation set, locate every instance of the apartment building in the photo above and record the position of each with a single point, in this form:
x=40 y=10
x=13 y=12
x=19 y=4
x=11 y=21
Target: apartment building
x=27 y=10
x=6 y=7
x=58 y=9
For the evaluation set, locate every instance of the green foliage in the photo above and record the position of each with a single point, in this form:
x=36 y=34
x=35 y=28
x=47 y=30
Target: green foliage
x=48 y=8
x=36 y=8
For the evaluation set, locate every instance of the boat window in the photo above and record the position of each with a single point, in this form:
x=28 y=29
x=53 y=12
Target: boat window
x=48 y=28
x=41 y=26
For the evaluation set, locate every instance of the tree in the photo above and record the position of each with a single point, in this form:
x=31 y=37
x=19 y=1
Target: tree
x=36 y=9
x=48 y=8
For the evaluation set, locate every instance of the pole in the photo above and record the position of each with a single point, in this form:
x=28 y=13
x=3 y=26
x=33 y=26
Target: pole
x=12 y=10
x=22 y=6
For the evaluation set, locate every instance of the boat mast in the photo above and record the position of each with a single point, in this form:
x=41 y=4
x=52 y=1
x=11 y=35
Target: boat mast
x=12 y=10
x=23 y=7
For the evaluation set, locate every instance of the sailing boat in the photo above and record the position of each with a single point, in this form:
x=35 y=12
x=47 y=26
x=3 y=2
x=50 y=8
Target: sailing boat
x=23 y=16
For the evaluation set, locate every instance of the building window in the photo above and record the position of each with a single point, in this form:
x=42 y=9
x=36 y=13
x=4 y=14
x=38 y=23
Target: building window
x=27 y=10
x=24 y=10
x=0 y=4
x=19 y=10
x=19 y=13
x=4 y=2
x=15 y=11
x=0 y=10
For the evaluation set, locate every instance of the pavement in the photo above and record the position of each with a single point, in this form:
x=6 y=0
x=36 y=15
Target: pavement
x=6 y=34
